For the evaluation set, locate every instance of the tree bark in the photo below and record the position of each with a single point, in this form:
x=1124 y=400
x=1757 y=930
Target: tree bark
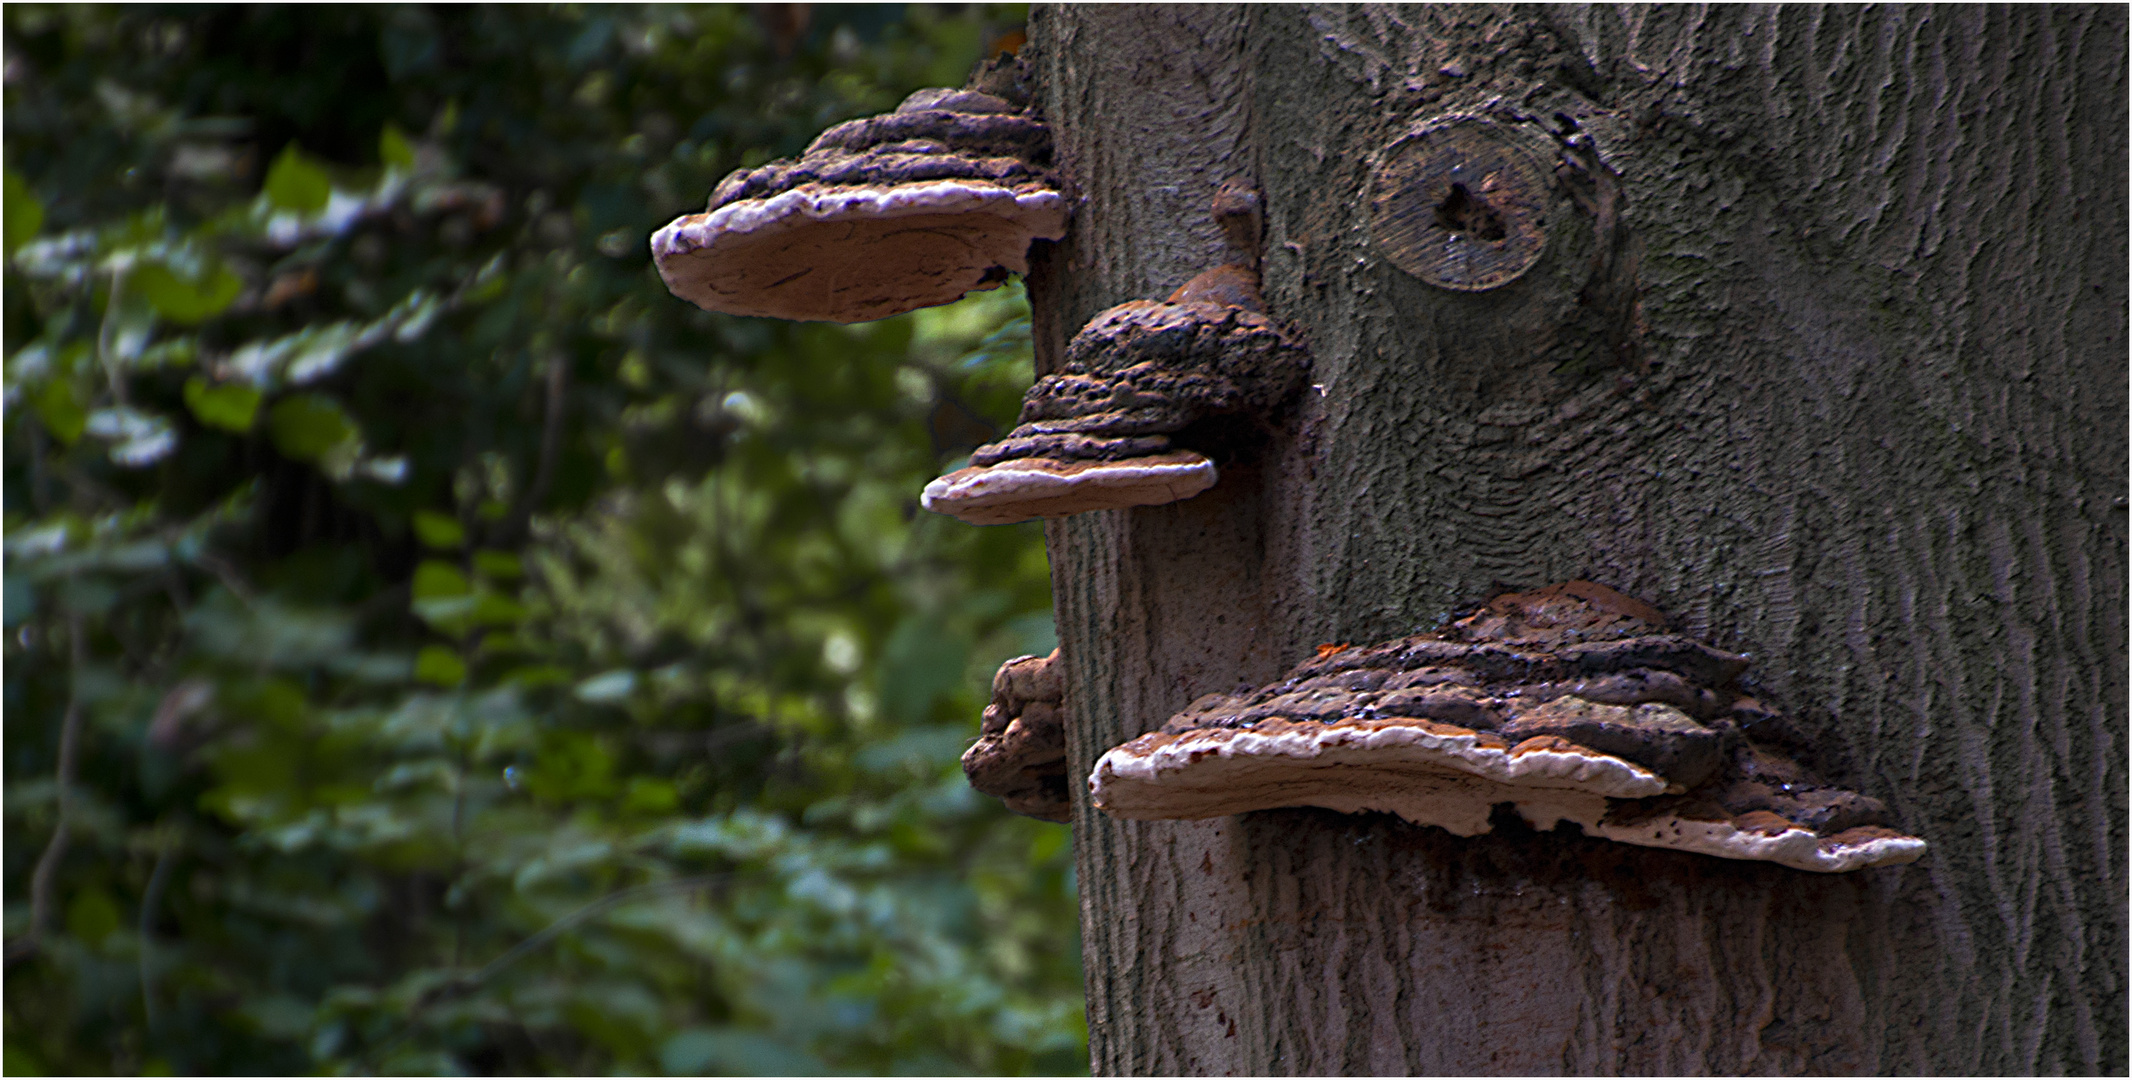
x=1841 y=385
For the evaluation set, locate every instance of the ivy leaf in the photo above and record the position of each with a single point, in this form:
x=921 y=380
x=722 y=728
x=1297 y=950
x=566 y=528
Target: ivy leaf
x=296 y=183
x=230 y=406
x=308 y=426
x=182 y=301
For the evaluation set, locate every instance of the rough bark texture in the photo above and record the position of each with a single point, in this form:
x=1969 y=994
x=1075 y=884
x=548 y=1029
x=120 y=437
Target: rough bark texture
x=1834 y=374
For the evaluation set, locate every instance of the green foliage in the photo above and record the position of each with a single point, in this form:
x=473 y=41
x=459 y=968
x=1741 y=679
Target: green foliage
x=481 y=661
x=298 y=183
x=229 y=406
x=24 y=214
x=307 y=427
x=186 y=301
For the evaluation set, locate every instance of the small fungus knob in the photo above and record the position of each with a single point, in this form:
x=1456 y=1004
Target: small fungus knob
x=1020 y=754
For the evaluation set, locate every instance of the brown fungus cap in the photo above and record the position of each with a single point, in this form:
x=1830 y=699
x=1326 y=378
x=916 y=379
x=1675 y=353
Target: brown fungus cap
x=1569 y=703
x=880 y=216
x=1020 y=754
x=1098 y=433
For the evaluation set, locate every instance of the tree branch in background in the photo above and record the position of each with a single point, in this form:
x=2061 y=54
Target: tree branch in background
x=150 y=901
x=551 y=442
x=55 y=850
x=230 y=577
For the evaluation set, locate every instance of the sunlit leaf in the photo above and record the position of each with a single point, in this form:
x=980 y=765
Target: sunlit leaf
x=439 y=530
x=649 y=796
x=23 y=212
x=434 y=579
x=394 y=149
x=296 y=183
x=439 y=666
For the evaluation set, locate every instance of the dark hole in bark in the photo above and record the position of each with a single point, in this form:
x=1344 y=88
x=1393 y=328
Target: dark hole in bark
x=1229 y=438
x=1464 y=212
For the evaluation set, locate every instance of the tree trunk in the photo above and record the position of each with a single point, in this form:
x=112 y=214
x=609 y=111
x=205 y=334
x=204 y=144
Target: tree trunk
x=1837 y=380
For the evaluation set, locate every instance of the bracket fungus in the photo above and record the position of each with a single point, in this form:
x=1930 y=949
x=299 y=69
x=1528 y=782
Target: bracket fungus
x=1145 y=388
x=880 y=216
x=1571 y=703
x=1020 y=754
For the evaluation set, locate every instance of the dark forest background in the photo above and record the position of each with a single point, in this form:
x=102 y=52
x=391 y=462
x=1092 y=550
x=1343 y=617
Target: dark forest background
x=430 y=647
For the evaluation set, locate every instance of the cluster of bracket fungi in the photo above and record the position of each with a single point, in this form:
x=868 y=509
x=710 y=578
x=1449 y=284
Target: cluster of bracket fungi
x=1570 y=703
x=1099 y=434
x=1103 y=432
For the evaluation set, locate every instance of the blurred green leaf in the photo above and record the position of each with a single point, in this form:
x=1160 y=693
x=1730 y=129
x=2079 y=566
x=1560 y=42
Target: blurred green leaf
x=92 y=916
x=439 y=530
x=182 y=300
x=296 y=183
x=308 y=426
x=435 y=579
x=493 y=610
x=394 y=149
x=650 y=796
x=502 y=565
x=231 y=406
x=23 y=212
x=920 y=664
x=439 y=666
x=62 y=413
